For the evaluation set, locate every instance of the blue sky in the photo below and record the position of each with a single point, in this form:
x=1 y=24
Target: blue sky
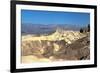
x=53 y=17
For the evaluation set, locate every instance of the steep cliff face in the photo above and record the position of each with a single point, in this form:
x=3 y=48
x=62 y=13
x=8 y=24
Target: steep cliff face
x=61 y=45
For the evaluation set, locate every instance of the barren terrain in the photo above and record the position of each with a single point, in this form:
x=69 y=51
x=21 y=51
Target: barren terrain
x=58 y=46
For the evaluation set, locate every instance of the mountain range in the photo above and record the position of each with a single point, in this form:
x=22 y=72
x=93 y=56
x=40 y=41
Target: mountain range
x=46 y=28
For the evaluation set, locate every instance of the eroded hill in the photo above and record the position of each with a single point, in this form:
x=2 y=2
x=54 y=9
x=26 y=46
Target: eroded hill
x=59 y=46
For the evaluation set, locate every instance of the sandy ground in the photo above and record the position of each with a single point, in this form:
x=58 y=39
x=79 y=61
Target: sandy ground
x=31 y=59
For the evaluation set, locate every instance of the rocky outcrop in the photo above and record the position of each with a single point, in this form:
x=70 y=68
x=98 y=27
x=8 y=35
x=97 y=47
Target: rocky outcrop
x=62 y=45
x=78 y=50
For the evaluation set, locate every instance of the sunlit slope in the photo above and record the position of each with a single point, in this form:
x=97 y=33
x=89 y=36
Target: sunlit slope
x=40 y=44
x=68 y=36
x=61 y=45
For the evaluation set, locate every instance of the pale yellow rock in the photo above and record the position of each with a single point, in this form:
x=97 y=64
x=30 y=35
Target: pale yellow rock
x=68 y=36
x=32 y=59
x=56 y=47
x=71 y=35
